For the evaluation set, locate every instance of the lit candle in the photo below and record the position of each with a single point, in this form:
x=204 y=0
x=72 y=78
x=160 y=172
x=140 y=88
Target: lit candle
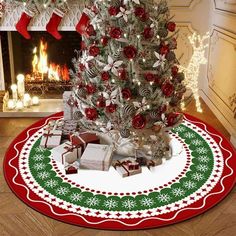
x=10 y=104
x=27 y=100
x=14 y=92
x=21 y=85
x=19 y=105
x=35 y=101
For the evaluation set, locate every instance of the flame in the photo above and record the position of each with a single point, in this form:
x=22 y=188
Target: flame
x=54 y=71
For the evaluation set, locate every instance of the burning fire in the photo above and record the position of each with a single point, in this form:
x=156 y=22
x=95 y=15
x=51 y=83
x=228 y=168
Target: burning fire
x=40 y=65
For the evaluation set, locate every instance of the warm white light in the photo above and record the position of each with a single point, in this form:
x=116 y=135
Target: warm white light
x=19 y=105
x=21 y=85
x=193 y=70
x=14 y=92
x=10 y=104
x=27 y=100
x=35 y=101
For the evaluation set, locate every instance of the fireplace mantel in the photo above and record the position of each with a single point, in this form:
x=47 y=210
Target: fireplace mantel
x=40 y=21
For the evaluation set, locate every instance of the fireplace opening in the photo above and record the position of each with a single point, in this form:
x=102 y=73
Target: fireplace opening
x=43 y=60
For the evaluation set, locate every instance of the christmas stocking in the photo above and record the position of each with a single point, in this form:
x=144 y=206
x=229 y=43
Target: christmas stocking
x=29 y=12
x=55 y=20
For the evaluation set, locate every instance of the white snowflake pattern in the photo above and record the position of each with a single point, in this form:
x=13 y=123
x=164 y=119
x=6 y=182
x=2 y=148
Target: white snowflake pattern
x=164 y=197
x=38 y=157
x=51 y=183
x=189 y=135
x=180 y=129
x=111 y=203
x=197 y=142
x=201 y=150
x=44 y=175
x=189 y=184
x=76 y=197
x=202 y=168
x=147 y=202
x=39 y=166
x=129 y=204
x=62 y=191
x=204 y=159
x=40 y=149
x=178 y=192
x=92 y=201
x=197 y=176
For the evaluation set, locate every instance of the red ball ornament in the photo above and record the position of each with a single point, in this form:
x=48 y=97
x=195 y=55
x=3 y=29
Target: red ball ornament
x=111 y=108
x=90 y=31
x=94 y=50
x=139 y=11
x=91 y=114
x=113 y=11
x=172 y=119
x=105 y=76
x=164 y=50
x=139 y=122
x=167 y=89
x=174 y=71
x=104 y=41
x=148 y=33
x=101 y=103
x=130 y=52
x=123 y=74
x=171 y=26
x=150 y=77
x=91 y=88
x=115 y=33
x=126 y=93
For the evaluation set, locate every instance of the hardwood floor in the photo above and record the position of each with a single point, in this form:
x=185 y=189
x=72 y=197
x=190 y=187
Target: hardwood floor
x=18 y=219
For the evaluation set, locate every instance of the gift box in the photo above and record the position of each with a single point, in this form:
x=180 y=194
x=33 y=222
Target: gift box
x=153 y=163
x=51 y=138
x=71 y=168
x=70 y=105
x=69 y=127
x=66 y=153
x=83 y=138
x=97 y=157
x=127 y=167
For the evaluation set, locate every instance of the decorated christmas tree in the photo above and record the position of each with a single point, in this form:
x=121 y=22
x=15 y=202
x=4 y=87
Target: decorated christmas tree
x=126 y=77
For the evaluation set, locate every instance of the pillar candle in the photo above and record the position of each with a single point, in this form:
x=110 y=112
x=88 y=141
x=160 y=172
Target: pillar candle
x=21 y=85
x=14 y=92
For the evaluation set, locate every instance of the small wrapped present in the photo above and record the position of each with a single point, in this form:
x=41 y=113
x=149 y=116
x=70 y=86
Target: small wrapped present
x=127 y=167
x=71 y=168
x=83 y=139
x=70 y=105
x=153 y=163
x=51 y=138
x=97 y=157
x=66 y=153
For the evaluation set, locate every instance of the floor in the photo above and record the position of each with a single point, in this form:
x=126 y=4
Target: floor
x=17 y=219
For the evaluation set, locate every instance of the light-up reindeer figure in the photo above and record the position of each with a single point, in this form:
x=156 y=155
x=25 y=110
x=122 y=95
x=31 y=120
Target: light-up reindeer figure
x=192 y=72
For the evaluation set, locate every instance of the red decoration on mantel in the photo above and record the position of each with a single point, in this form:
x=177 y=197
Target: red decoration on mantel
x=83 y=24
x=54 y=22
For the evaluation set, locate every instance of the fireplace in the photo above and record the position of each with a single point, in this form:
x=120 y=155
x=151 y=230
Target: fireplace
x=43 y=60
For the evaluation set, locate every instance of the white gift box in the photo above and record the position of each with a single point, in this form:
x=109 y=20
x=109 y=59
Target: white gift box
x=51 y=138
x=97 y=157
x=70 y=105
x=66 y=153
x=122 y=167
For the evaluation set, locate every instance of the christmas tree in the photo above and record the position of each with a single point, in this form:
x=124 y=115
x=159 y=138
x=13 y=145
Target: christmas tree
x=126 y=77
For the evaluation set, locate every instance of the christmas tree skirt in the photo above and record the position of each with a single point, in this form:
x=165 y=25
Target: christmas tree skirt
x=198 y=176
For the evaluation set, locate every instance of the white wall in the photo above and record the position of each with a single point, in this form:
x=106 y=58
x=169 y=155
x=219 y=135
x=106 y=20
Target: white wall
x=218 y=78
